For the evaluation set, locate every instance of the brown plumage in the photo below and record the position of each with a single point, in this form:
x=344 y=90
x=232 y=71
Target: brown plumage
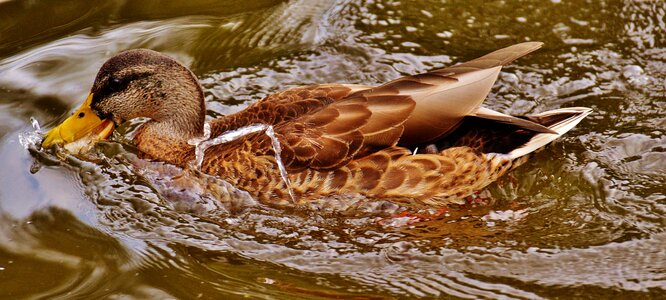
x=421 y=139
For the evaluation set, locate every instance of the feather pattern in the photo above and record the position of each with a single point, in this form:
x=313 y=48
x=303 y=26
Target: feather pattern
x=357 y=139
x=340 y=138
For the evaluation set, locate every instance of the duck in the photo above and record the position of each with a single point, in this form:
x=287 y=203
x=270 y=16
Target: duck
x=421 y=140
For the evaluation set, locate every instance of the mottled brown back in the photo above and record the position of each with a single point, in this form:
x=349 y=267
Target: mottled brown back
x=323 y=127
x=356 y=139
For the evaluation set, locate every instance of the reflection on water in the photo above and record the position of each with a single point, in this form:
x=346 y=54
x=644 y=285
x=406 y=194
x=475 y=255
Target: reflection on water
x=584 y=218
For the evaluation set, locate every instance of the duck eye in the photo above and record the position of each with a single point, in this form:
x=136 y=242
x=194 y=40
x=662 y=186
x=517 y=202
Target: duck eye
x=81 y=115
x=115 y=83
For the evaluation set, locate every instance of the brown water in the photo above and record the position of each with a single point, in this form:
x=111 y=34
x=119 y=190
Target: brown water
x=583 y=219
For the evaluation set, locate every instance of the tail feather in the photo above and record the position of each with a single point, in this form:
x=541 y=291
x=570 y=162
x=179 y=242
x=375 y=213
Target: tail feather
x=444 y=97
x=525 y=123
x=501 y=57
x=561 y=126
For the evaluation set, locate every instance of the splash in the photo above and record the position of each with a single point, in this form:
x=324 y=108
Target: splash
x=197 y=142
x=205 y=142
x=32 y=138
x=35 y=124
x=278 y=159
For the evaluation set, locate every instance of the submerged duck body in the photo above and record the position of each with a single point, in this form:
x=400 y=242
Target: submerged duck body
x=419 y=140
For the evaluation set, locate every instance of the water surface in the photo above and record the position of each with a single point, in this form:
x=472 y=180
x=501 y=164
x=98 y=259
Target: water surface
x=585 y=218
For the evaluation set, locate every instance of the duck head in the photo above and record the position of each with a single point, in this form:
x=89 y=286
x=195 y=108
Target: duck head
x=137 y=83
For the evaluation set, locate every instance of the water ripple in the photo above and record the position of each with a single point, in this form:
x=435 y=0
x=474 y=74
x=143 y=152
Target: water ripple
x=584 y=218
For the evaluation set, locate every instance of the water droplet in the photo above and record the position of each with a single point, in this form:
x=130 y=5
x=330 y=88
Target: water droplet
x=35 y=124
x=33 y=137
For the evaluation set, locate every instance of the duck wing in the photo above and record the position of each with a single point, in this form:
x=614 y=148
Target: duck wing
x=323 y=127
x=344 y=130
x=445 y=96
x=408 y=111
x=319 y=126
x=285 y=106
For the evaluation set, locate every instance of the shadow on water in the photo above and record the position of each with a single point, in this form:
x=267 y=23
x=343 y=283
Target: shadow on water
x=584 y=218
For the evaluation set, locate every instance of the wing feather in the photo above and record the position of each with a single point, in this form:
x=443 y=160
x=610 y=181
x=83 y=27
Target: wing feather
x=323 y=127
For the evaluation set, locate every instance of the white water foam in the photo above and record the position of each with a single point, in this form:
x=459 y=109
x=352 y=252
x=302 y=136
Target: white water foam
x=205 y=142
x=31 y=138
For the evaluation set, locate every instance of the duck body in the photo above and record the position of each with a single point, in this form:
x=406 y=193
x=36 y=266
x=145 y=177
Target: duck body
x=421 y=140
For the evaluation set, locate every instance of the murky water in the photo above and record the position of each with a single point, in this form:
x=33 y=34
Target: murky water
x=583 y=219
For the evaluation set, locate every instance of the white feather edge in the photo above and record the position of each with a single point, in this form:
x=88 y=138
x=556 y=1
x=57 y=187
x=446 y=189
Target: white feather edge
x=561 y=128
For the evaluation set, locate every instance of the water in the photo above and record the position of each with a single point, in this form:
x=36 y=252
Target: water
x=31 y=138
x=585 y=218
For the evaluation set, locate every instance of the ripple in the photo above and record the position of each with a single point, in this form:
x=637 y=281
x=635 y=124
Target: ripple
x=70 y=57
x=585 y=217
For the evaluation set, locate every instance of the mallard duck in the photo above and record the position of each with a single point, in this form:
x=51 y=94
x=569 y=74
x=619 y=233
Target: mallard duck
x=419 y=140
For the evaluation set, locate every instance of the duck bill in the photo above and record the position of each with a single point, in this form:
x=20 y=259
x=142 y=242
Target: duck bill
x=84 y=123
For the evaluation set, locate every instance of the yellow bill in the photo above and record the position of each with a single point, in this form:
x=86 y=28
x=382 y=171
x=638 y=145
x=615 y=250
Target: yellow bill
x=84 y=125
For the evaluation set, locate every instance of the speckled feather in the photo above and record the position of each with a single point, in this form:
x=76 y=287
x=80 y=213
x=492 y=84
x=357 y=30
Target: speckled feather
x=341 y=139
x=353 y=139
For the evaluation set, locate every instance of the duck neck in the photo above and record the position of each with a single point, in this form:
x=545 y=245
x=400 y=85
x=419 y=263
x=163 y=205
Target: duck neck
x=165 y=137
x=159 y=141
x=183 y=110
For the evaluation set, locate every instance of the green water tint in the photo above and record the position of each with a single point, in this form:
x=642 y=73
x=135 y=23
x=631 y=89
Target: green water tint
x=584 y=218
